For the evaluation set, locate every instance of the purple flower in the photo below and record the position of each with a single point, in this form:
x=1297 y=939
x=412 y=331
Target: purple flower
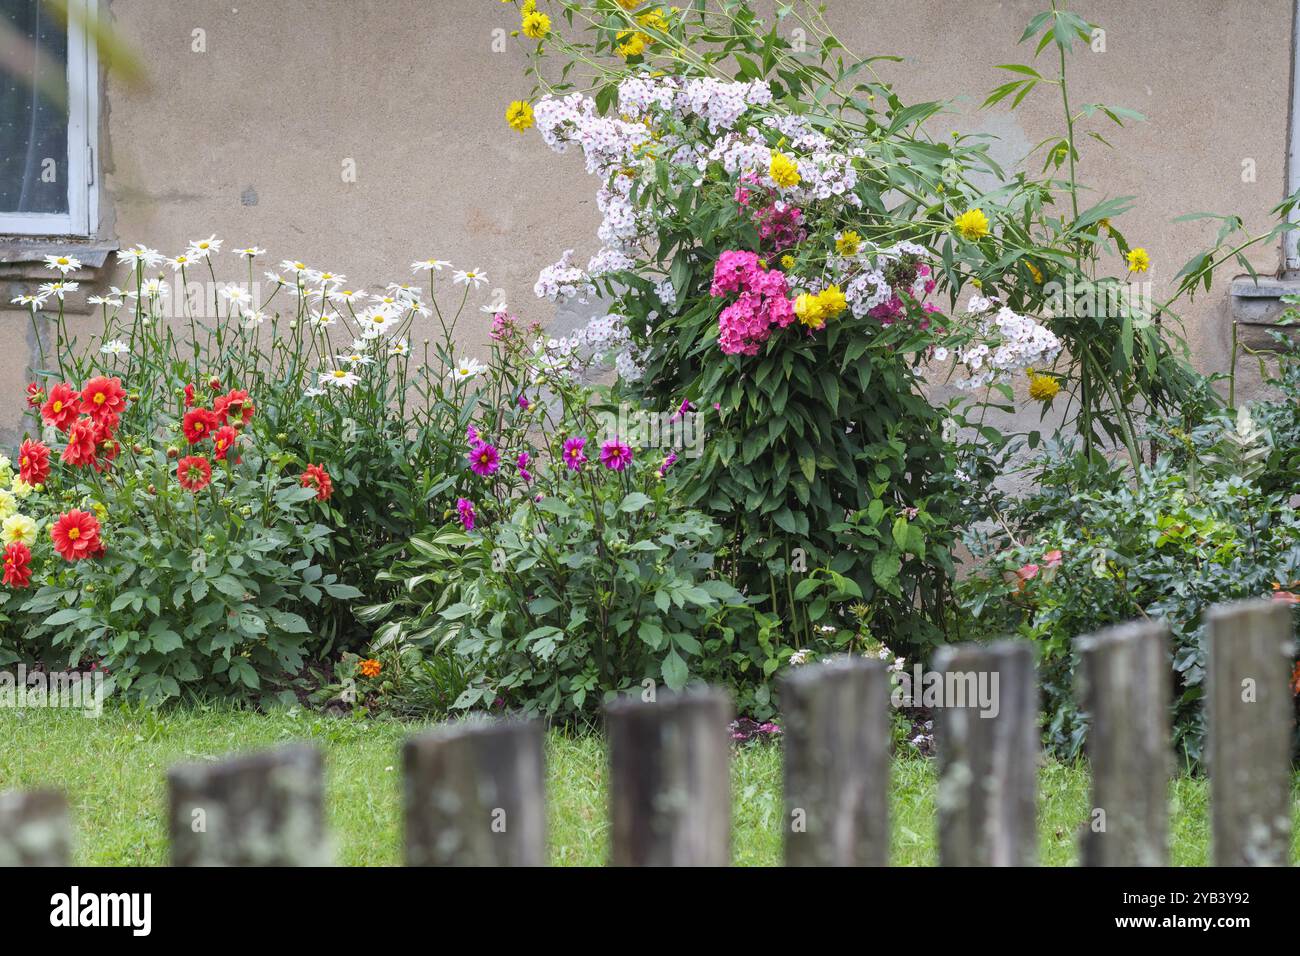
x=615 y=455
x=669 y=461
x=523 y=402
x=522 y=462
x=483 y=458
x=682 y=409
x=465 y=508
x=574 y=459
x=471 y=435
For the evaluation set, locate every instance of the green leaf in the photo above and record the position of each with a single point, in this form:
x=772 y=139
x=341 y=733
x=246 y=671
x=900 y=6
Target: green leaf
x=674 y=671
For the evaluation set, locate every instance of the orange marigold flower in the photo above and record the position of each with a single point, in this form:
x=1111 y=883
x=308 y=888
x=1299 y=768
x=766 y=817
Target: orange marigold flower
x=193 y=472
x=76 y=536
x=371 y=668
x=317 y=477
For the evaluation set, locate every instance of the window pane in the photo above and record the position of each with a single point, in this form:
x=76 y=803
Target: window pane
x=33 y=111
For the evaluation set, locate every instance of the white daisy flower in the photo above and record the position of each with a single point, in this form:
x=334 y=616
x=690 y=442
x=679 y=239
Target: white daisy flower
x=346 y=295
x=138 y=255
x=275 y=278
x=325 y=278
x=58 y=289
x=236 y=295
x=199 y=248
x=64 y=264
x=114 y=347
x=104 y=300
x=476 y=276
x=429 y=265
x=291 y=265
x=253 y=318
x=154 y=289
x=35 y=301
x=252 y=252
x=466 y=369
x=182 y=261
x=339 y=378
x=356 y=358
x=399 y=348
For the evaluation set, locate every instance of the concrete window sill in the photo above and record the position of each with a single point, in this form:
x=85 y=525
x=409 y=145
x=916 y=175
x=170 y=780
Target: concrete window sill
x=23 y=268
x=1257 y=305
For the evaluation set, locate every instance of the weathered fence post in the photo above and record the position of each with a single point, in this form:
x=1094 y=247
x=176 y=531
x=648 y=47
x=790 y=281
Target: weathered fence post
x=1249 y=715
x=670 y=788
x=474 y=795
x=986 y=732
x=263 y=809
x=837 y=764
x=34 y=829
x=1124 y=684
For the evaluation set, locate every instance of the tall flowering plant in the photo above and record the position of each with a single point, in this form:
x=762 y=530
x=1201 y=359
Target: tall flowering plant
x=571 y=572
x=358 y=391
x=788 y=244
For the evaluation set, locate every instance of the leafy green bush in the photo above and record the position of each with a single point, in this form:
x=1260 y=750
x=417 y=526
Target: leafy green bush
x=1086 y=554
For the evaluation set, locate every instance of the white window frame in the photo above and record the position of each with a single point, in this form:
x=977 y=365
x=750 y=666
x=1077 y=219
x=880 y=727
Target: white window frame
x=82 y=217
x=1291 y=238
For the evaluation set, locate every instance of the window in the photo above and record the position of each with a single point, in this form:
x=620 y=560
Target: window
x=49 y=114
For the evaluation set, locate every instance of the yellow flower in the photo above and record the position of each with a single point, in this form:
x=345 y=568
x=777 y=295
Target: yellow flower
x=833 y=302
x=629 y=4
x=783 y=170
x=654 y=20
x=8 y=503
x=1138 y=260
x=632 y=43
x=848 y=243
x=972 y=224
x=1042 y=388
x=519 y=115
x=814 y=310
x=1034 y=271
x=787 y=261
x=18 y=527
x=536 y=25
x=808 y=308
x=528 y=7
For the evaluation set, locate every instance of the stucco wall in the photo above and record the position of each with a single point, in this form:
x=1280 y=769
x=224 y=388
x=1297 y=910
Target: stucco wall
x=248 y=140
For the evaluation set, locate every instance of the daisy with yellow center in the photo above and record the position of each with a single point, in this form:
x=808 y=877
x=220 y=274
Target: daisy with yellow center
x=1138 y=260
x=535 y=25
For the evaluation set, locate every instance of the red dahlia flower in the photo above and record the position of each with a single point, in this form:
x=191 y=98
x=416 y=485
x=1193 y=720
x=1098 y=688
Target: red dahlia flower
x=225 y=439
x=35 y=395
x=80 y=450
x=33 y=462
x=317 y=477
x=18 y=565
x=193 y=472
x=198 y=424
x=60 y=409
x=189 y=395
x=234 y=405
x=104 y=399
x=76 y=536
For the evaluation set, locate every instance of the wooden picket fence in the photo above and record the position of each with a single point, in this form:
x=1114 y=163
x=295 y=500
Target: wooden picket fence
x=474 y=795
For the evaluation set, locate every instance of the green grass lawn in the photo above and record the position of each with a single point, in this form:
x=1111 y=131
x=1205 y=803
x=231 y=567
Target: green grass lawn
x=112 y=769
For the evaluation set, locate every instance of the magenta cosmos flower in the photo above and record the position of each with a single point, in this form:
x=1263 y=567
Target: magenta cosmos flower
x=465 y=508
x=483 y=458
x=615 y=455
x=574 y=459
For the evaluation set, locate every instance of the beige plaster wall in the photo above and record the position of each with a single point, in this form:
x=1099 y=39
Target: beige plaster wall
x=248 y=140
